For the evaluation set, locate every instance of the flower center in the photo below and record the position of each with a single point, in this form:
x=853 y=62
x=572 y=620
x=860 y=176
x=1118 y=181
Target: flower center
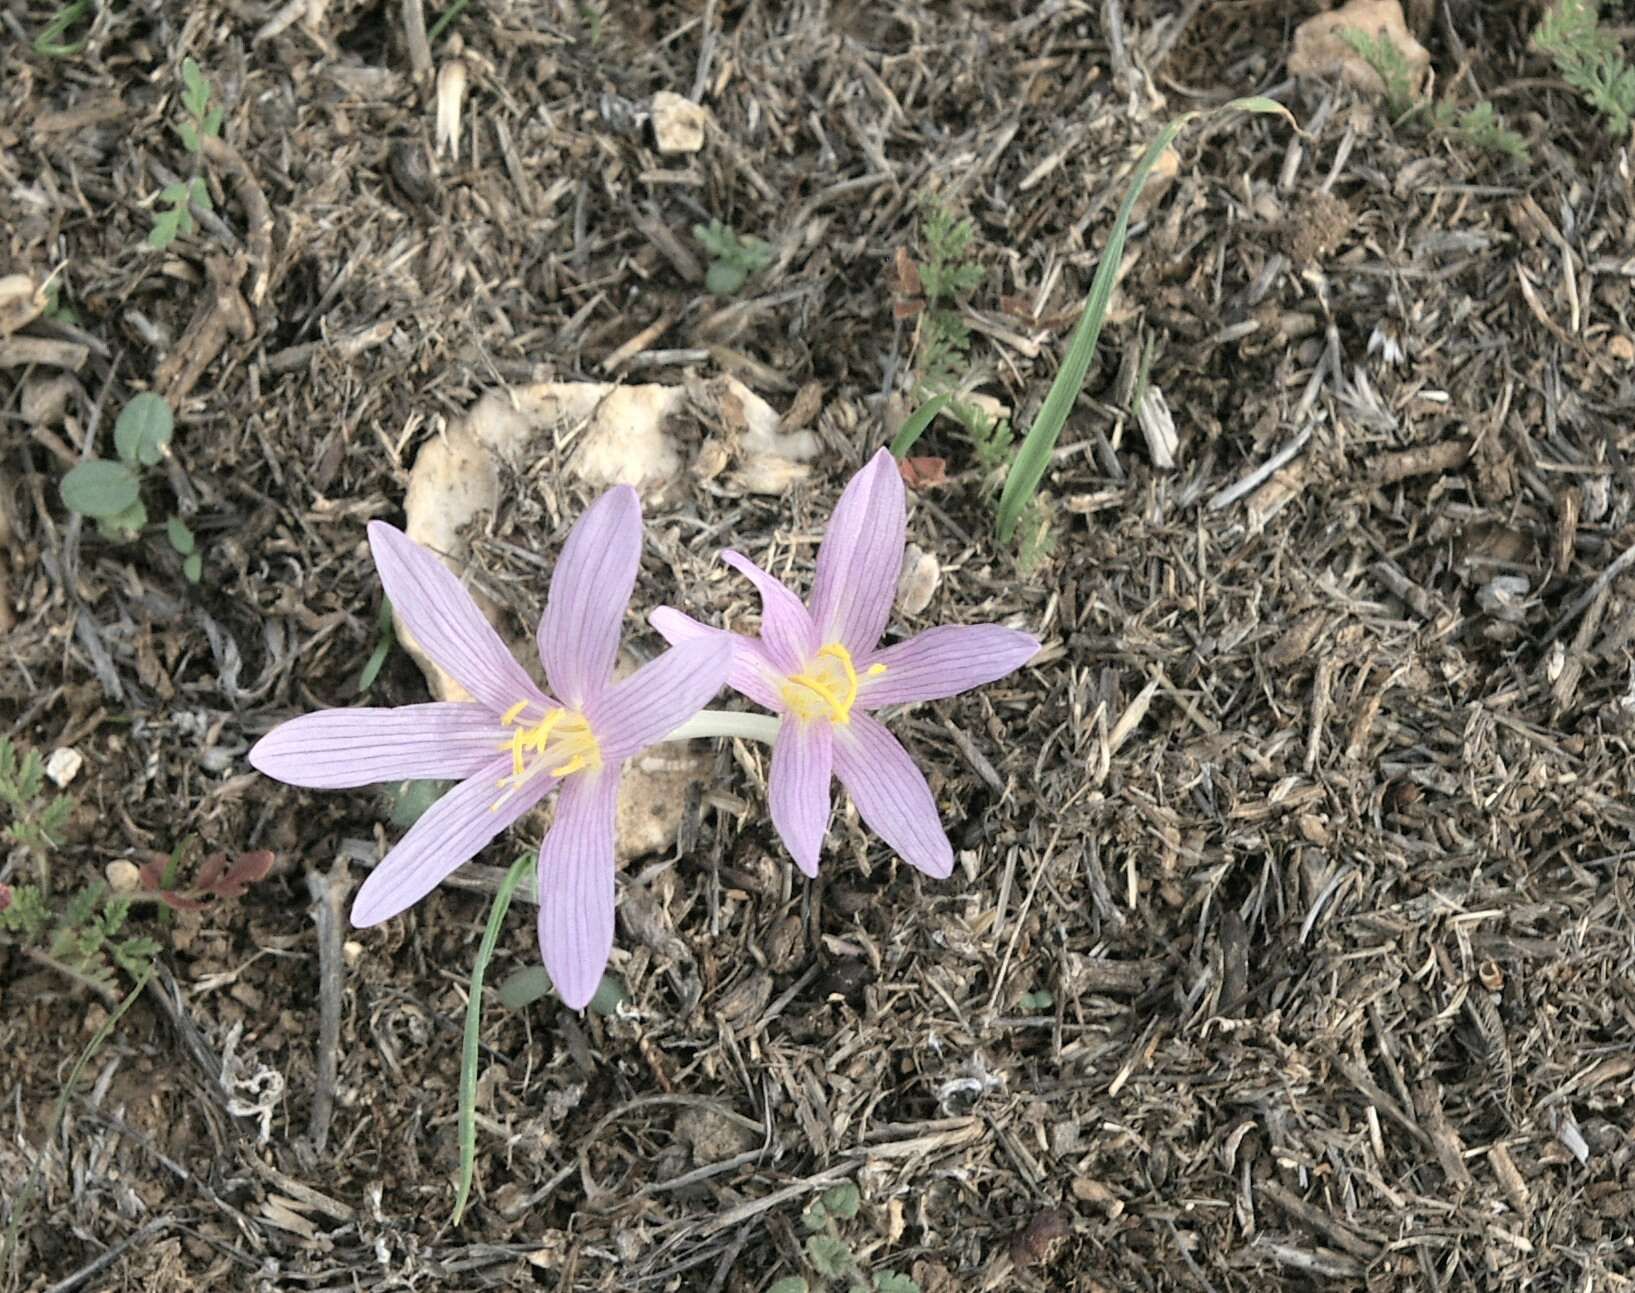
x=558 y=744
x=827 y=687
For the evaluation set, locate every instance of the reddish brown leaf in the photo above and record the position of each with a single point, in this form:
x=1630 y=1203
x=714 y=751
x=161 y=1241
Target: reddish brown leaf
x=923 y=473
x=245 y=871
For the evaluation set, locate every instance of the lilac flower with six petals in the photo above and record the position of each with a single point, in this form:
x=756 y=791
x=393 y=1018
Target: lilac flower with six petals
x=512 y=743
x=822 y=670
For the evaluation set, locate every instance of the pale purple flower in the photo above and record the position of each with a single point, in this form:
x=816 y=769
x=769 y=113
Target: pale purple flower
x=513 y=743
x=822 y=670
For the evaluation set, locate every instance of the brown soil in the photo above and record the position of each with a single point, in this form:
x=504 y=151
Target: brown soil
x=1317 y=836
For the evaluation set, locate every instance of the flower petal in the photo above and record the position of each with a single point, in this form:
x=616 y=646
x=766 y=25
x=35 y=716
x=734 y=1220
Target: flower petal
x=576 y=886
x=453 y=830
x=787 y=630
x=861 y=557
x=590 y=588
x=802 y=763
x=659 y=697
x=430 y=602
x=891 y=794
x=752 y=672
x=943 y=661
x=334 y=749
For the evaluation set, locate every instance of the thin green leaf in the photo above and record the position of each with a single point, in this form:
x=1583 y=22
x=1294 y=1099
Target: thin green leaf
x=474 y=1016
x=190 y=136
x=181 y=538
x=914 y=427
x=1034 y=455
x=99 y=488
x=193 y=567
x=198 y=194
x=212 y=122
x=194 y=80
x=49 y=43
x=143 y=429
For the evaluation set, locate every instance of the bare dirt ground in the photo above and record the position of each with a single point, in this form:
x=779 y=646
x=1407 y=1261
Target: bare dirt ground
x=1318 y=838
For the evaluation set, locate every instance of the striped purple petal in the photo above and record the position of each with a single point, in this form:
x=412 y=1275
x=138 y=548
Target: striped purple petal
x=334 y=749
x=943 y=661
x=576 y=886
x=452 y=831
x=861 y=557
x=787 y=631
x=798 y=788
x=590 y=588
x=439 y=614
x=752 y=672
x=892 y=795
x=659 y=697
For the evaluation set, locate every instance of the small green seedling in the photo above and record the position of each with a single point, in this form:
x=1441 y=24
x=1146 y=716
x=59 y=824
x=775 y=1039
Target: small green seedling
x=735 y=257
x=176 y=200
x=1039 y=1000
x=110 y=493
x=50 y=43
x=1589 y=59
x=830 y=1256
x=1478 y=127
x=385 y=636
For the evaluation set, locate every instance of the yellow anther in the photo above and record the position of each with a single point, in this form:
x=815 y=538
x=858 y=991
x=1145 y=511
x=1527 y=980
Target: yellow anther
x=510 y=715
x=559 y=744
x=822 y=690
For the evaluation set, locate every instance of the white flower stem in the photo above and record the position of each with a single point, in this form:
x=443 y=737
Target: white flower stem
x=721 y=722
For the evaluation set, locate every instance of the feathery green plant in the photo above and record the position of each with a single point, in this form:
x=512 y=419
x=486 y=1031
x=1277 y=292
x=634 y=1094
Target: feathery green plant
x=828 y=1254
x=203 y=121
x=735 y=257
x=1478 y=127
x=1589 y=59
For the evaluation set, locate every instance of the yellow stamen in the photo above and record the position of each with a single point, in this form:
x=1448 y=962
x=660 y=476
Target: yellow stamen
x=822 y=691
x=560 y=744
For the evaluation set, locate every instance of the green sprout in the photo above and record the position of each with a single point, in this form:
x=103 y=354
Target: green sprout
x=110 y=493
x=1589 y=59
x=1478 y=127
x=203 y=122
x=830 y=1256
x=735 y=257
x=49 y=43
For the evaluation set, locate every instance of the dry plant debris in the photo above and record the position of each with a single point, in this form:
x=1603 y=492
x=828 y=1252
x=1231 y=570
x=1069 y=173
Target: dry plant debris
x=1312 y=822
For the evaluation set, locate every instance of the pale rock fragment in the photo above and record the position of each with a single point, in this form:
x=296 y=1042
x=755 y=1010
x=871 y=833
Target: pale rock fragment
x=1320 y=51
x=678 y=123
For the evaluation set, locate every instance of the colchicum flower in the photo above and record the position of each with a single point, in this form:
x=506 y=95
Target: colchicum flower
x=512 y=744
x=822 y=670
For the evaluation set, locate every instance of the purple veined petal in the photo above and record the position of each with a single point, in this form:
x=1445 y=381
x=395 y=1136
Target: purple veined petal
x=787 y=631
x=892 y=795
x=453 y=830
x=438 y=612
x=335 y=749
x=943 y=661
x=752 y=673
x=798 y=788
x=576 y=886
x=659 y=697
x=590 y=588
x=861 y=557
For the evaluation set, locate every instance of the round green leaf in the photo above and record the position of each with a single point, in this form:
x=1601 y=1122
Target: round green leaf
x=181 y=538
x=724 y=278
x=143 y=429
x=524 y=987
x=99 y=488
x=193 y=567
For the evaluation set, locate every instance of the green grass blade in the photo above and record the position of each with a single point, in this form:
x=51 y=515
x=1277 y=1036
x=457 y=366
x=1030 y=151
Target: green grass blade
x=915 y=426
x=474 y=1015
x=1034 y=455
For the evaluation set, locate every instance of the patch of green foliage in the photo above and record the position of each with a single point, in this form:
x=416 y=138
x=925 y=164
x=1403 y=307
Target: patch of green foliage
x=734 y=257
x=1478 y=127
x=83 y=937
x=110 y=493
x=1589 y=59
x=830 y=1257
x=203 y=121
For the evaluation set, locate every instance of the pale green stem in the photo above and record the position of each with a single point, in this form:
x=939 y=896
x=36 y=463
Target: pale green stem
x=721 y=722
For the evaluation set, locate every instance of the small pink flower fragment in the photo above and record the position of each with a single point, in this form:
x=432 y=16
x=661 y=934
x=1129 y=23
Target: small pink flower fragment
x=822 y=669
x=513 y=744
x=5 y=896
